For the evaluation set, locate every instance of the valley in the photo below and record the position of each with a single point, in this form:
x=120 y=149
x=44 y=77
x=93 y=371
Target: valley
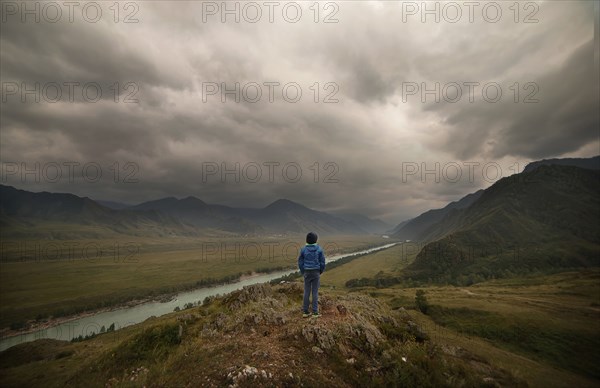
x=500 y=288
x=36 y=283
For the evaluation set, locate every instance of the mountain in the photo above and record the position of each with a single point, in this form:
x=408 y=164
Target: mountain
x=285 y=215
x=63 y=215
x=190 y=210
x=397 y=228
x=589 y=163
x=281 y=216
x=542 y=219
x=425 y=227
x=112 y=204
x=371 y=225
x=415 y=228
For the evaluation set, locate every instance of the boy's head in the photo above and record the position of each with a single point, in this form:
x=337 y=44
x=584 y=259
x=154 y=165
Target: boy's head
x=311 y=238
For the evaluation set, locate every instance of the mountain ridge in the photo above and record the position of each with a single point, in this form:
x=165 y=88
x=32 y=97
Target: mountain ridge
x=165 y=216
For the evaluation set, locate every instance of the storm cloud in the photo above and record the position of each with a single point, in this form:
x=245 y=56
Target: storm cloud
x=398 y=112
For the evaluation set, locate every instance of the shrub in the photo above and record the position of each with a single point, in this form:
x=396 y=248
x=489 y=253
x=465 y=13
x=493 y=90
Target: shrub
x=421 y=301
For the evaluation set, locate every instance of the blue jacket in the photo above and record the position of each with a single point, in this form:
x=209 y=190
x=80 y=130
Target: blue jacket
x=311 y=257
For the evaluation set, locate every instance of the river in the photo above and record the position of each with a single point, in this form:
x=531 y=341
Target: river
x=127 y=316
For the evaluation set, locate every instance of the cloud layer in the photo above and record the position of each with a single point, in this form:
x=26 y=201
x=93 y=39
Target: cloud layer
x=369 y=61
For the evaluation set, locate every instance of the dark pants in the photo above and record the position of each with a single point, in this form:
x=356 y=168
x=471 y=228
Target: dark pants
x=311 y=286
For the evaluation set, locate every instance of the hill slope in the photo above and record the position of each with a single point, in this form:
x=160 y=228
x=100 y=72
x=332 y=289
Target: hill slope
x=546 y=218
x=415 y=228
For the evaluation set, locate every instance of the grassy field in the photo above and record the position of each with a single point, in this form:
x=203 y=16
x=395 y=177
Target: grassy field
x=541 y=328
x=55 y=278
x=380 y=263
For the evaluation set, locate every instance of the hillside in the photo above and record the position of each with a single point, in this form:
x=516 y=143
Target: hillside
x=415 y=228
x=546 y=218
x=255 y=337
x=428 y=226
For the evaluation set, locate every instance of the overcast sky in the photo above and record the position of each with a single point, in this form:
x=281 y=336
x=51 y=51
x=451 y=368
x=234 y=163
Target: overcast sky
x=368 y=133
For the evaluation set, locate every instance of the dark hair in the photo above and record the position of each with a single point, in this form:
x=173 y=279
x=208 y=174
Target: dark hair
x=311 y=238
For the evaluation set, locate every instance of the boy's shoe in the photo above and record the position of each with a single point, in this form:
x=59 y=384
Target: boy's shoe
x=305 y=314
x=316 y=315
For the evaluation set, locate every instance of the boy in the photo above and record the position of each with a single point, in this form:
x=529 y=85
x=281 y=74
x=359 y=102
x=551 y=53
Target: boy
x=311 y=263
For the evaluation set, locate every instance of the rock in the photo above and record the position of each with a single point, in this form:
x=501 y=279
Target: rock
x=370 y=337
x=351 y=360
x=322 y=336
x=255 y=292
x=317 y=349
x=220 y=320
x=415 y=330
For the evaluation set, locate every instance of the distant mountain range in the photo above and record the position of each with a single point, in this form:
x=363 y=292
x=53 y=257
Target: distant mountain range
x=60 y=215
x=281 y=216
x=24 y=214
